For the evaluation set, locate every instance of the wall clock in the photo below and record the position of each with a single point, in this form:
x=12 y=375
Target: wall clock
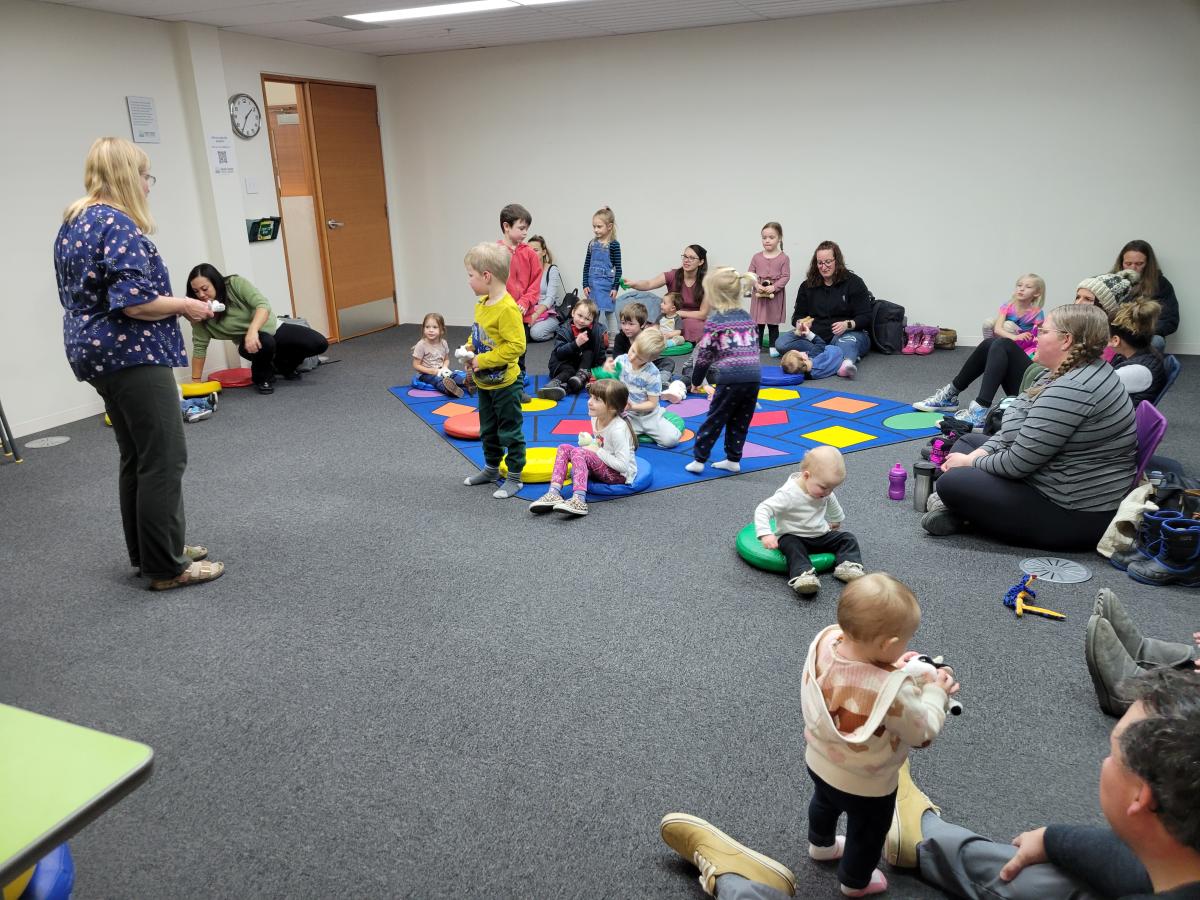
x=245 y=115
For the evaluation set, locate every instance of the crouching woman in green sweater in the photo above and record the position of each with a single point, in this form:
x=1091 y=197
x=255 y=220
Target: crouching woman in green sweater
x=248 y=321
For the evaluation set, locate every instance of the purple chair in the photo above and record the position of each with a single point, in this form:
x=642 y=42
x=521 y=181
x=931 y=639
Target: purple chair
x=1151 y=426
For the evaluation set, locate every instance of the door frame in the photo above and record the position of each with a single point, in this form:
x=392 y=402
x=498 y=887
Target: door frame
x=304 y=101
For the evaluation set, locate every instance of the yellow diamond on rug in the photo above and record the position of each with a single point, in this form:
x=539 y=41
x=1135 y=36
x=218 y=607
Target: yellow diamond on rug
x=839 y=436
x=777 y=394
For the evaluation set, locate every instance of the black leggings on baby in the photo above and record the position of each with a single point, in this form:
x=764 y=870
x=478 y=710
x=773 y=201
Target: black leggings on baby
x=867 y=823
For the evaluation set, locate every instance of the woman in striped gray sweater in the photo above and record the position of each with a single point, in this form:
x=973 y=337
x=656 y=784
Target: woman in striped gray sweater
x=1064 y=457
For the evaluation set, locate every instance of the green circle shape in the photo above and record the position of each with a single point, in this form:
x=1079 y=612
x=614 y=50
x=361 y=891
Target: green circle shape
x=750 y=548
x=912 y=421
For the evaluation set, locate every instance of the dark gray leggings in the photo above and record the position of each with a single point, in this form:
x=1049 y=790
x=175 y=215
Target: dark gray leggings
x=1015 y=512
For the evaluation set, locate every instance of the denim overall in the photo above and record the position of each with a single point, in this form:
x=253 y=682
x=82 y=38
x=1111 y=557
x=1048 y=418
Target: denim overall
x=601 y=274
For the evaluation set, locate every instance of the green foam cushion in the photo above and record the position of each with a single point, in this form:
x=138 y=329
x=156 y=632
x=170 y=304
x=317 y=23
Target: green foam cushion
x=678 y=349
x=750 y=548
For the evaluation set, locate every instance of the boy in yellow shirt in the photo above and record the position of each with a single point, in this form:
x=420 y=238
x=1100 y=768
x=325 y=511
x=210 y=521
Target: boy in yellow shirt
x=497 y=342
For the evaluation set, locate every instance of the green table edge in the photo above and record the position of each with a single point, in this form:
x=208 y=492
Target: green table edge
x=88 y=812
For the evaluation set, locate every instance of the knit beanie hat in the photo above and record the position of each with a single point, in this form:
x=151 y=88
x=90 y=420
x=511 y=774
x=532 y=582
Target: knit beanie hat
x=1111 y=290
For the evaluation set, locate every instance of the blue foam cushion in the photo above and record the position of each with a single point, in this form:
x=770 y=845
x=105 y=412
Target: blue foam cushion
x=54 y=877
x=641 y=481
x=773 y=376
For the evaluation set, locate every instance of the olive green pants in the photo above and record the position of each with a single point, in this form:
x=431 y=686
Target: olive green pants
x=501 y=427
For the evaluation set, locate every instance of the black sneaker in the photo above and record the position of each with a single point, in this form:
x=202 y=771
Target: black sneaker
x=553 y=390
x=265 y=387
x=576 y=383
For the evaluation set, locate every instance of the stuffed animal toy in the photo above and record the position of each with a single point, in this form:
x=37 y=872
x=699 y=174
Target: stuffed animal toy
x=926 y=667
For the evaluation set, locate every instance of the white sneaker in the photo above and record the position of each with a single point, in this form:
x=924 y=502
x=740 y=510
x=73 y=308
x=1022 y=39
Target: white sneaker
x=944 y=399
x=773 y=353
x=806 y=584
x=847 y=370
x=847 y=571
x=975 y=414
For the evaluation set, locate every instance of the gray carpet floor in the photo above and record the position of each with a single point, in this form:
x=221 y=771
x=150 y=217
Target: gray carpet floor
x=405 y=688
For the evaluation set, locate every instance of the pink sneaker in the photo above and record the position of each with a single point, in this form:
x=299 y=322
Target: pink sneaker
x=929 y=334
x=877 y=885
x=913 y=333
x=847 y=370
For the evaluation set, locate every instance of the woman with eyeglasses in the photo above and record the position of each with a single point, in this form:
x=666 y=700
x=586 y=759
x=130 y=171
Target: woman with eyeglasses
x=837 y=302
x=122 y=338
x=688 y=282
x=1063 y=460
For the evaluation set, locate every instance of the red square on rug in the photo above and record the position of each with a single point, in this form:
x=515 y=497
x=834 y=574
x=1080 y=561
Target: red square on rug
x=572 y=426
x=774 y=417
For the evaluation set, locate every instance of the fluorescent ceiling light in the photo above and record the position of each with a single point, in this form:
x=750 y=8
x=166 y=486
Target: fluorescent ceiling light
x=446 y=9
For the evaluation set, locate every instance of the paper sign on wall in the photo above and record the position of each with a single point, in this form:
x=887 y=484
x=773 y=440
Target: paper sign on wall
x=220 y=154
x=143 y=120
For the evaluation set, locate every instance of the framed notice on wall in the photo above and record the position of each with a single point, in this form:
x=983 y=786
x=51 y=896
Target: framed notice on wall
x=143 y=120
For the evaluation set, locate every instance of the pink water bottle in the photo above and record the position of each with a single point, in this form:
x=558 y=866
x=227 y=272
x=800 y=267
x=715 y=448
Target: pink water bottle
x=896 y=479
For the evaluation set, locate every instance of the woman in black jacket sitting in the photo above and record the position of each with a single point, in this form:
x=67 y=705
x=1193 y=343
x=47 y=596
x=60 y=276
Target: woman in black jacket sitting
x=839 y=305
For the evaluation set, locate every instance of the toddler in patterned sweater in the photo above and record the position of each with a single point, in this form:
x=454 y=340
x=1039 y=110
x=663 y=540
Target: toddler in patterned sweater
x=862 y=713
x=728 y=355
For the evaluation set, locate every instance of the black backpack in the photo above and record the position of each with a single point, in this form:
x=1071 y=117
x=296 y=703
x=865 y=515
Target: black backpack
x=563 y=311
x=887 y=325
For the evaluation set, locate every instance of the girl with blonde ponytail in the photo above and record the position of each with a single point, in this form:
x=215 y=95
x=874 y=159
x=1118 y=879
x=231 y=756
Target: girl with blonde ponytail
x=728 y=355
x=1064 y=458
x=1138 y=363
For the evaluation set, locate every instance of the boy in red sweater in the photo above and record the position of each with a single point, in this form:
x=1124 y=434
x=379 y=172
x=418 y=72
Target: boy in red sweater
x=524 y=282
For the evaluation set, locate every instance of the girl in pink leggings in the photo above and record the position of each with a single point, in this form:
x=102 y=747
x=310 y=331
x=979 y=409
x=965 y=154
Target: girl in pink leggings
x=606 y=454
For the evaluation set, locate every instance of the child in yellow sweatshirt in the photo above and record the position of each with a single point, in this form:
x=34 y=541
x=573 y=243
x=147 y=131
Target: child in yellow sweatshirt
x=490 y=357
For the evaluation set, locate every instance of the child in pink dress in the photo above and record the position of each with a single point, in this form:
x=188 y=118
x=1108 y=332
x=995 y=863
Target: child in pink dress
x=773 y=268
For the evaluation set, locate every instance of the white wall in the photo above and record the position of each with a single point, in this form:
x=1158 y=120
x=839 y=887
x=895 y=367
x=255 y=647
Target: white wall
x=77 y=66
x=948 y=148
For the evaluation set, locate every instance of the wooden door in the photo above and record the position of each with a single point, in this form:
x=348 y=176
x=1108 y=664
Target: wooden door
x=352 y=207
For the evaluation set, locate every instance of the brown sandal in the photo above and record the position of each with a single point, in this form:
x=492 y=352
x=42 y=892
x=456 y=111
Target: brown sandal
x=195 y=552
x=196 y=573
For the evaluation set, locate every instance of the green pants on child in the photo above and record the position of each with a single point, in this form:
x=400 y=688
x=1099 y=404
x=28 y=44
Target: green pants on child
x=501 y=427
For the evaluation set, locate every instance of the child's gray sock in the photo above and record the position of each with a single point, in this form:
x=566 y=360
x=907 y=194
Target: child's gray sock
x=508 y=488
x=483 y=476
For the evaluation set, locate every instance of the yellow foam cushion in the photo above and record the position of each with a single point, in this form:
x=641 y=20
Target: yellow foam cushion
x=539 y=465
x=200 y=389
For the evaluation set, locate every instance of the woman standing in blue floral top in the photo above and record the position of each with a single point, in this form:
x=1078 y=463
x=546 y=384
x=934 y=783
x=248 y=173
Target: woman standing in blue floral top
x=122 y=338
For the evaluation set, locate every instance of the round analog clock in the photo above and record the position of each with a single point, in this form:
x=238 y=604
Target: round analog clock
x=245 y=115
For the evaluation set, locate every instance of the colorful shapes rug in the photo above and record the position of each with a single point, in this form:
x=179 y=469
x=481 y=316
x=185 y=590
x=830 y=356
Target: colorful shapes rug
x=788 y=422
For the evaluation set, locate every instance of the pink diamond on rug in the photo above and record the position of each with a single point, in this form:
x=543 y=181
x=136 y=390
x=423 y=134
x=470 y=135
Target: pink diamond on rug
x=774 y=417
x=572 y=426
x=693 y=406
x=417 y=392
x=752 y=450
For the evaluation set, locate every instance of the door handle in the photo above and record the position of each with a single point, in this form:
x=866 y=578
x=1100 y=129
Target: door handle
x=334 y=223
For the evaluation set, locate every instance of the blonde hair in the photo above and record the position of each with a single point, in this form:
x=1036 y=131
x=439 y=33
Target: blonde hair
x=1088 y=327
x=112 y=174
x=793 y=362
x=648 y=344
x=489 y=257
x=823 y=458
x=726 y=287
x=877 y=606
x=1039 y=283
x=605 y=215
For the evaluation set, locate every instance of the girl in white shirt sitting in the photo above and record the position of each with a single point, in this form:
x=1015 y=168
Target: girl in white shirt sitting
x=606 y=455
